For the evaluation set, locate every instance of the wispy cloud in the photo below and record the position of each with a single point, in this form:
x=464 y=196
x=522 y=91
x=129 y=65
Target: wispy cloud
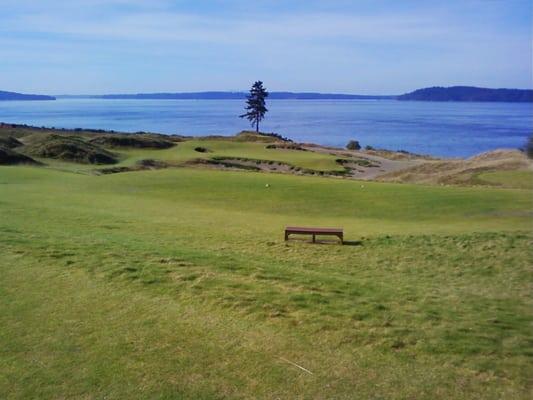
x=182 y=26
x=308 y=45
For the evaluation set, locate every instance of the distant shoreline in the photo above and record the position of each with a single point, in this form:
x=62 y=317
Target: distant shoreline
x=433 y=94
x=437 y=94
x=229 y=96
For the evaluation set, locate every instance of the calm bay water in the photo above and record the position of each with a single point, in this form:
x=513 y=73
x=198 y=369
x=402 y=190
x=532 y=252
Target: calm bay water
x=445 y=129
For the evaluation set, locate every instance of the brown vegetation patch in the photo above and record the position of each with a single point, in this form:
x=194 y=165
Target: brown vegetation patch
x=24 y=131
x=286 y=146
x=249 y=164
x=357 y=162
x=141 y=165
x=68 y=148
x=461 y=172
x=398 y=155
x=133 y=140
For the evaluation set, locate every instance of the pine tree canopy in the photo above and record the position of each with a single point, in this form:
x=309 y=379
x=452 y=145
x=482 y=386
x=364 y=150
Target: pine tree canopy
x=255 y=105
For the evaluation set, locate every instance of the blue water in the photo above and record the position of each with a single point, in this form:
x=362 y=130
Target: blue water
x=444 y=129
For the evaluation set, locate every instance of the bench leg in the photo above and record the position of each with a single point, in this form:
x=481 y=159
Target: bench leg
x=286 y=236
x=313 y=238
x=341 y=237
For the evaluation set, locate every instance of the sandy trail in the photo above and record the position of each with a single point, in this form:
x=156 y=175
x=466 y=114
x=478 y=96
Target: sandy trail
x=378 y=165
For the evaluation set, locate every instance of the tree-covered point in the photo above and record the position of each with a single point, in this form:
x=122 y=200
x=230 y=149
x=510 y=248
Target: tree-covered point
x=469 y=93
x=20 y=96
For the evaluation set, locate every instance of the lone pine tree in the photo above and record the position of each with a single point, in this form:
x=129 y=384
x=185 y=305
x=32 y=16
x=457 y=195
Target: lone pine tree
x=255 y=105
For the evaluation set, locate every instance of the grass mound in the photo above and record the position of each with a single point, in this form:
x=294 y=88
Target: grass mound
x=69 y=148
x=252 y=136
x=463 y=172
x=131 y=140
x=499 y=155
x=10 y=157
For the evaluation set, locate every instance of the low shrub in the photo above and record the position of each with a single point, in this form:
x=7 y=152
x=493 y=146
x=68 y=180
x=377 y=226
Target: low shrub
x=353 y=145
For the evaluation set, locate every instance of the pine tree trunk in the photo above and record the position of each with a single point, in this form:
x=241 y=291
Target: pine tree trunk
x=257 y=125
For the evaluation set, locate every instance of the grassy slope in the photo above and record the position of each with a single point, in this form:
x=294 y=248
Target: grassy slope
x=516 y=179
x=177 y=284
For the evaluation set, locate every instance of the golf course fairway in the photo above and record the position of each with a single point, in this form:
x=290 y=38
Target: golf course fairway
x=177 y=284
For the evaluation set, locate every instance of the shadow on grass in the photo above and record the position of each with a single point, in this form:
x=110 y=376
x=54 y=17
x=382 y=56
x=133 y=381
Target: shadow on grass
x=325 y=241
x=353 y=243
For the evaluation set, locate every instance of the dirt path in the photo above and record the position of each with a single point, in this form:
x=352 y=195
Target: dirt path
x=376 y=166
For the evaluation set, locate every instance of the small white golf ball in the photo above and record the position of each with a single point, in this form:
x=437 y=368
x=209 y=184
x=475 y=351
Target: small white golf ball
x=267 y=185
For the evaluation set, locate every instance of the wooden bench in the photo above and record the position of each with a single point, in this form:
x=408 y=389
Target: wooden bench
x=314 y=231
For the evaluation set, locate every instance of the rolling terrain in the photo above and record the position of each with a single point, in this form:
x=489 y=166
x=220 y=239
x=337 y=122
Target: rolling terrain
x=102 y=152
x=160 y=271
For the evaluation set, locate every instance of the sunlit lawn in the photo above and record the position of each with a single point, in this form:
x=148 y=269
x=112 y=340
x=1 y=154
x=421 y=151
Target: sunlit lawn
x=177 y=284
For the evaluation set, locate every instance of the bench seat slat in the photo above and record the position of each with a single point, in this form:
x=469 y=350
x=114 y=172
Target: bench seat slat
x=314 y=231
x=311 y=230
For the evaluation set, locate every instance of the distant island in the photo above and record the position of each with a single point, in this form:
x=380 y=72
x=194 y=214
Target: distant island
x=20 y=96
x=469 y=93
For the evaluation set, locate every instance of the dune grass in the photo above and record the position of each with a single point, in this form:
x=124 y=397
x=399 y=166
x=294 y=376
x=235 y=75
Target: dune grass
x=177 y=284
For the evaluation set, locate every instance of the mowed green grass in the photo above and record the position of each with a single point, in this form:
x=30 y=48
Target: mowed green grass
x=515 y=179
x=184 y=151
x=177 y=284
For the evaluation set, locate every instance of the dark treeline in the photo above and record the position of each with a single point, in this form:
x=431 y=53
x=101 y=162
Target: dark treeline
x=469 y=93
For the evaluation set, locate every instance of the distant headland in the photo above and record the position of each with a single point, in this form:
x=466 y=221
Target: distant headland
x=469 y=93
x=20 y=96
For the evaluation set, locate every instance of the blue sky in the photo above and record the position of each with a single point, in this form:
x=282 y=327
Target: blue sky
x=357 y=46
